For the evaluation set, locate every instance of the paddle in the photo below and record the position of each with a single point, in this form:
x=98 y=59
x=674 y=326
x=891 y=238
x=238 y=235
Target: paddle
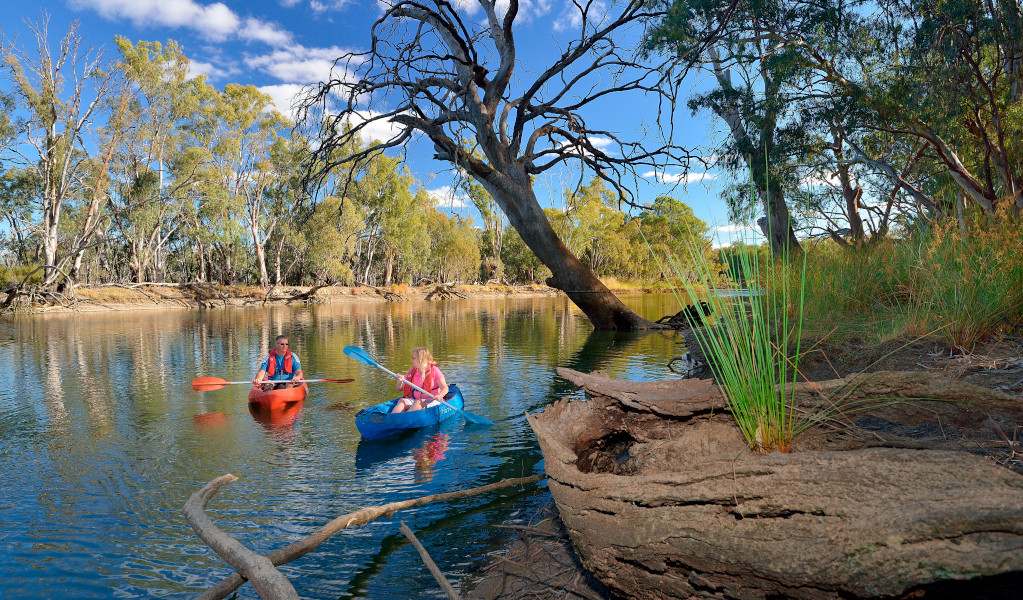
x=207 y=384
x=360 y=355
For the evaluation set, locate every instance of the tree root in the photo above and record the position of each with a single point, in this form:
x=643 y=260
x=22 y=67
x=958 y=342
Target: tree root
x=444 y=291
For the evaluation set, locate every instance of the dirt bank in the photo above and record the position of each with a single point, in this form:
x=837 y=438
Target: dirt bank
x=192 y=295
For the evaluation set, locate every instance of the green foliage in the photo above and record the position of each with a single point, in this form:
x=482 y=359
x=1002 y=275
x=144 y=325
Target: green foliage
x=14 y=275
x=520 y=263
x=455 y=247
x=329 y=240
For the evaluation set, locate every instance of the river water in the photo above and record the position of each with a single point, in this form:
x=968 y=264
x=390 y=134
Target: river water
x=102 y=440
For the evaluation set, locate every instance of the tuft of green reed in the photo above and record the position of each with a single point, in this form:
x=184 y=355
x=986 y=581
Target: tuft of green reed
x=752 y=341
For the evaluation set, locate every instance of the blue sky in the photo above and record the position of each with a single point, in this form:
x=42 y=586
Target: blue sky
x=282 y=45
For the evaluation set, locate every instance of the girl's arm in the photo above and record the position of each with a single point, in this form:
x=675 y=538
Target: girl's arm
x=442 y=384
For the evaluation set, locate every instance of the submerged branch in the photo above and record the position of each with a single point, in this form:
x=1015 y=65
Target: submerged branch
x=360 y=517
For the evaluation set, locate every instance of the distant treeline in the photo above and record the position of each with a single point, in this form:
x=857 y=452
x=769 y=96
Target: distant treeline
x=133 y=170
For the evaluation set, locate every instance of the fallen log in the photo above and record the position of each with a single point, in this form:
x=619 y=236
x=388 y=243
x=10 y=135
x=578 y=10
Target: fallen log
x=662 y=498
x=360 y=517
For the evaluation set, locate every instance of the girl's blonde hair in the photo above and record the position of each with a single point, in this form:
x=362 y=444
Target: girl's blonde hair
x=422 y=352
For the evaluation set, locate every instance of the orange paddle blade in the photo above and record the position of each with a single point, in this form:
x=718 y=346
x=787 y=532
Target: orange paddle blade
x=206 y=384
x=337 y=380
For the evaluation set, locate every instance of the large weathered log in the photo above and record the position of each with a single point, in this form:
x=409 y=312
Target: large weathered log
x=662 y=499
x=360 y=517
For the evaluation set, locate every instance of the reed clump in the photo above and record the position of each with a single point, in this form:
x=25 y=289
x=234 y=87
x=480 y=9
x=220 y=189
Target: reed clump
x=751 y=339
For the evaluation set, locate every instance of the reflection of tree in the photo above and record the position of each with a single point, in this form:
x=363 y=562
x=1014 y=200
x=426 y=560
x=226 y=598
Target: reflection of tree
x=599 y=348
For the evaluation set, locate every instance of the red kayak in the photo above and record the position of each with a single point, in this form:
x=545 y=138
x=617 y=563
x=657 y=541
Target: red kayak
x=277 y=398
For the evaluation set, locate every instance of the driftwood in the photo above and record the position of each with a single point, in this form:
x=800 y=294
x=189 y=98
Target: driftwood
x=360 y=517
x=663 y=499
x=444 y=291
x=387 y=294
x=270 y=583
x=432 y=566
x=204 y=294
x=18 y=289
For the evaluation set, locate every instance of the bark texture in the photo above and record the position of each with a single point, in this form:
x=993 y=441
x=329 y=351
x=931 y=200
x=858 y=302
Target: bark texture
x=662 y=499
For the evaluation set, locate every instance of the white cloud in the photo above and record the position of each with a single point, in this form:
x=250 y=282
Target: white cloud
x=723 y=236
x=283 y=96
x=572 y=17
x=446 y=197
x=299 y=64
x=679 y=177
x=321 y=7
x=731 y=228
x=268 y=33
x=215 y=22
x=821 y=180
x=381 y=129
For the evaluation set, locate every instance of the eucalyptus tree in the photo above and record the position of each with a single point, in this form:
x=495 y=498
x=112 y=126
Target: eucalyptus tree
x=328 y=242
x=17 y=189
x=454 y=251
x=245 y=163
x=493 y=226
x=957 y=89
x=60 y=90
x=287 y=194
x=154 y=162
x=394 y=216
x=770 y=60
x=435 y=72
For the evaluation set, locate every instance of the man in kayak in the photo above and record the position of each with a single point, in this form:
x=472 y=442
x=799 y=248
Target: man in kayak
x=280 y=366
x=425 y=374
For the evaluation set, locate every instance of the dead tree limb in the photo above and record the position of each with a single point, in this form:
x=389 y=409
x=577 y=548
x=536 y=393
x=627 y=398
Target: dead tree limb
x=445 y=291
x=270 y=583
x=387 y=294
x=432 y=566
x=360 y=517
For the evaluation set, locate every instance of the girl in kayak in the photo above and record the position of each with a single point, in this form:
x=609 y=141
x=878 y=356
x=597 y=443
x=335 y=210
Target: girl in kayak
x=425 y=374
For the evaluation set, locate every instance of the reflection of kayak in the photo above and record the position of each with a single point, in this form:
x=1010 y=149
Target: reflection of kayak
x=276 y=418
x=277 y=398
x=377 y=421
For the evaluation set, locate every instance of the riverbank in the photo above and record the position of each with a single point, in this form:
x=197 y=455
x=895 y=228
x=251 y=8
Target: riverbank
x=158 y=296
x=539 y=561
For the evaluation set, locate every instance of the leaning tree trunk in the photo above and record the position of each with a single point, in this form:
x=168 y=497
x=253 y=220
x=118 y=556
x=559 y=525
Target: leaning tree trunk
x=569 y=274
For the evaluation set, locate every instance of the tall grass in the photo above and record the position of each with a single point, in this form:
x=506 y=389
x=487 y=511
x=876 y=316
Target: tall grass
x=963 y=283
x=753 y=344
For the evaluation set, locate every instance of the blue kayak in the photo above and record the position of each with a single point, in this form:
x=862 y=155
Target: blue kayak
x=378 y=421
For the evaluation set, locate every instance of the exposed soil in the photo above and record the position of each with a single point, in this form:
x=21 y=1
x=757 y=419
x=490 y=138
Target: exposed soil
x=191 y=296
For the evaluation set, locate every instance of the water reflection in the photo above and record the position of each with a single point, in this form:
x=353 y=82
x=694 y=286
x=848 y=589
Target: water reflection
x=279 y=422
x=102 y=438
x=429 y=454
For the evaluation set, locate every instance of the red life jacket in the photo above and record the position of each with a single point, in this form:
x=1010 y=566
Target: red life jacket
x=271 y=363
x=428 y=382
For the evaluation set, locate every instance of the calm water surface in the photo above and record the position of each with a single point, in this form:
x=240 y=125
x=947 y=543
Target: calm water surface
x=102 y=440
